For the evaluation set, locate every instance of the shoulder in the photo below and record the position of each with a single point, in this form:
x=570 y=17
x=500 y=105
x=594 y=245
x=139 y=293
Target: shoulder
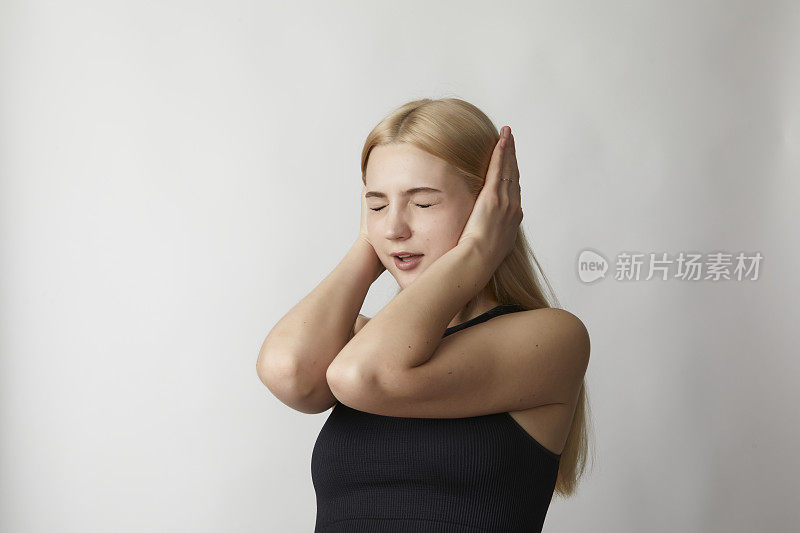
x=559 y=325
x=548 y=335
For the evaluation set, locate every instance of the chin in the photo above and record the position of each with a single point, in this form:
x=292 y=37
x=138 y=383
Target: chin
x=405 y=279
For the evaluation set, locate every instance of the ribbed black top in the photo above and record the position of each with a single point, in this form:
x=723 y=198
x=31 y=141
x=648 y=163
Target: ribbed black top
x=375 y=473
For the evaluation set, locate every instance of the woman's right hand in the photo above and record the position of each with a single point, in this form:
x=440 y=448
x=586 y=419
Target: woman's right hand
x=363 y=231
x=362 y=234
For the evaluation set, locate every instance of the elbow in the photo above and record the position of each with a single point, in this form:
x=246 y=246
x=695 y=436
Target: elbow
x=276 y=371
x=283 y=378
x=280 y=376
x=353 y=385
x=338 y=377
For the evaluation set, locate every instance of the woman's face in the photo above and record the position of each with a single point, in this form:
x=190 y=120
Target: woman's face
x=397 y=220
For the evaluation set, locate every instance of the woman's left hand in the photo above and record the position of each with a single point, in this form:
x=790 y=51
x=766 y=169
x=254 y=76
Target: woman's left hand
x=497 y=212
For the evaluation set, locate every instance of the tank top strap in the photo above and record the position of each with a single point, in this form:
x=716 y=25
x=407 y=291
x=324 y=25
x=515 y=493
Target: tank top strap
x=483 y=317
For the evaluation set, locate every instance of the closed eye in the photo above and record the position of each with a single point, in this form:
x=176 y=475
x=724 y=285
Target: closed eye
x=418 y=205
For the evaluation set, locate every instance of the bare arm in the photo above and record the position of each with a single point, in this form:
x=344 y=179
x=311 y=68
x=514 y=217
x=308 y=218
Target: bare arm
x=407 y=331
x=295 y=356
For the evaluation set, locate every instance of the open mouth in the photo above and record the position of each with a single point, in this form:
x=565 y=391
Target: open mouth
x=409 y=262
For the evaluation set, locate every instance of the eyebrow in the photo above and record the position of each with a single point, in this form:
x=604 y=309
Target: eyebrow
x=415 y=190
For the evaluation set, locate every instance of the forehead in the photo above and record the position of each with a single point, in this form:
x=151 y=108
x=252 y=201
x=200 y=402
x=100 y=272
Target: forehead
x=403 y=166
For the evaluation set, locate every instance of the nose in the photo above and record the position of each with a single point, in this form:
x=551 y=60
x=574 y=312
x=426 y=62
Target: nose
x=396 y=226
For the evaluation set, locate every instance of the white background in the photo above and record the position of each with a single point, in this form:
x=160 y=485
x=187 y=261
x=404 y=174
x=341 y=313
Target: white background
x=177 y=175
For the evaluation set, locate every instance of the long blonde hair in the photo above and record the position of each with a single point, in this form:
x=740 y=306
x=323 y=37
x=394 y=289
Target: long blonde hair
x=463 y=136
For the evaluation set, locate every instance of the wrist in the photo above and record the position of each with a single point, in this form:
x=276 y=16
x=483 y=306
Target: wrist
x=364 y=249
x=476 y=245
x=487 y=260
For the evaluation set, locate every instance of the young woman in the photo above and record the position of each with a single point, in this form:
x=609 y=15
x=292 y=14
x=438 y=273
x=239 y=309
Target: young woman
x=461 y=405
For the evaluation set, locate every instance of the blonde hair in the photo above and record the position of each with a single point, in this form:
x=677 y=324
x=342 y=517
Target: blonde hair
x=464 y=137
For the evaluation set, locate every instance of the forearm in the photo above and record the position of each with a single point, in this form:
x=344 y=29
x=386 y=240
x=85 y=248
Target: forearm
x=407 y=331
x=313 y=332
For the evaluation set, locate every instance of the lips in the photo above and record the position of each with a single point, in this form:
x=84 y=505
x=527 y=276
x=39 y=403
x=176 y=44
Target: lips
x=408 y=264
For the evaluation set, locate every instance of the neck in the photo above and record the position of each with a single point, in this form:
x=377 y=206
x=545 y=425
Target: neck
x=481 y=303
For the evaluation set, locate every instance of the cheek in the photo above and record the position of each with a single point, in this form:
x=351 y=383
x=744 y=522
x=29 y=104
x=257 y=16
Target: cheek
x=439 y=234
x=452 y=224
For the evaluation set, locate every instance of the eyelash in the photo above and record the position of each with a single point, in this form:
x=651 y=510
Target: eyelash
x=419 y=205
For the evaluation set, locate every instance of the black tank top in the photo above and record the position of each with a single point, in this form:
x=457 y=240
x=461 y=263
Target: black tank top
x=375 y=473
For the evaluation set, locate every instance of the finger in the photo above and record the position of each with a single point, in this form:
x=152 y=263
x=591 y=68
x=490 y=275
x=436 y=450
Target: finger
x=512 y=170
x=505 y=187
x=495 y=164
